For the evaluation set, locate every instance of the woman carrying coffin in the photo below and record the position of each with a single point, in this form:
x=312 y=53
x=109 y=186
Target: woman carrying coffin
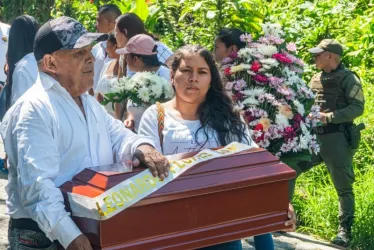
x=201 y=115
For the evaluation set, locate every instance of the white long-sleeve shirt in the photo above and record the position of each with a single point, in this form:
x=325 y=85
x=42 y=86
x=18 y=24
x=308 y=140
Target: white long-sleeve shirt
x=24 y=76
x=48 y=141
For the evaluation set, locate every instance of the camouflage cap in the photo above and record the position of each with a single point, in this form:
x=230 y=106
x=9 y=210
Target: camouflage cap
x=63 y=33
x=329 y=45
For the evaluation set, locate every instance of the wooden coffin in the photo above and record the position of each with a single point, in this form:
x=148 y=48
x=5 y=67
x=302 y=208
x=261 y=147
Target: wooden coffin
x=217 y=201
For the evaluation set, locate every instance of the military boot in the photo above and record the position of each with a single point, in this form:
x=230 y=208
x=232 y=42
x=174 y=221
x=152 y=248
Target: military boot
x=344 y=235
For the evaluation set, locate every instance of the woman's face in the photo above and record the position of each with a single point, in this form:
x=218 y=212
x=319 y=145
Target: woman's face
x=121 y=38
x=192 y=79
x=220 y=50
x=134 y=63
x=111 y=49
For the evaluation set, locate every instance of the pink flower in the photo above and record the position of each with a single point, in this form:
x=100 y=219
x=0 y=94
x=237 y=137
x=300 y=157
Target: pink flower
x=289 y=134
x=233 y=55
x=229 y=85
x=260 y=78
x=227 y=71
x=297 y=120
x=255 y=66
x=282 y=58
x=246 y=38
x=291 y=47
x=275 y=81
x=237 y=97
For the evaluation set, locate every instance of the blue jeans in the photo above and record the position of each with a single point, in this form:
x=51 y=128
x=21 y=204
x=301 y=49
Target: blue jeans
x=262 y=242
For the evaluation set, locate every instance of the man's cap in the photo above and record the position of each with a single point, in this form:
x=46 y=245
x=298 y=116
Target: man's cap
x=141 y=45
x=329 y=45
x=63 y=33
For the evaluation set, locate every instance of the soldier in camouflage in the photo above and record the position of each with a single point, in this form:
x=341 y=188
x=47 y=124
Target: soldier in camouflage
x=340 y=96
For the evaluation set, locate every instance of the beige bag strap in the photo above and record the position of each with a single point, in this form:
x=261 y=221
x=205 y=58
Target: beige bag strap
x=160 y=123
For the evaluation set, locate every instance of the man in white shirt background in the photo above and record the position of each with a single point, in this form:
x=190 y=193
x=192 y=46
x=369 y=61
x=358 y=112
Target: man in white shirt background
x=54 y=131
x=105 y=23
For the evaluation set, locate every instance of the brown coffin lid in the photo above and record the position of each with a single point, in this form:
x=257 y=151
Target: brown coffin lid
x=247 y=168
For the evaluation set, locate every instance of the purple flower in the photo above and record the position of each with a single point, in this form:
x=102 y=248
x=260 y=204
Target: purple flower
x=246 y=38
x=240 y=84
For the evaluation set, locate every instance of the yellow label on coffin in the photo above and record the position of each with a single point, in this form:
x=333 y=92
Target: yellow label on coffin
x=132 y=190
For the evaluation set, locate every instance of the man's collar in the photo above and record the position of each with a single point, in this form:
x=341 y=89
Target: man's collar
x=49 y=82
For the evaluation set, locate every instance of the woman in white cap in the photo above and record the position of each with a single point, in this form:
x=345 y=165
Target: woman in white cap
x=141 y=51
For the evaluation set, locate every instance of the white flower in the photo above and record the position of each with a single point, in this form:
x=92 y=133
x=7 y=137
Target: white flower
x=272 y=29
x=267 y=50
x=270 y=61
x=156 y=89
x=250 y=101
x=282 y=121
x=143 y=93
x=300 y=107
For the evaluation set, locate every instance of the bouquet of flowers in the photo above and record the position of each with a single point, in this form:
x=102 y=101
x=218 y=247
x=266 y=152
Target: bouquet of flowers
x=142 y=88
x=264 y=79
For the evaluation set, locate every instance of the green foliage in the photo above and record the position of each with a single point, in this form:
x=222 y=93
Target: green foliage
x=187 y=22
x=40 y=9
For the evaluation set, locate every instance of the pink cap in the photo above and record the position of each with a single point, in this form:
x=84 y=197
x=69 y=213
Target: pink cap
x=139 y=44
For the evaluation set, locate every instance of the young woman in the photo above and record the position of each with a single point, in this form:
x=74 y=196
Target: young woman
x=127 y=26
x=200 y=116
x=23 y=69
x=141 y=51
x=108 y=72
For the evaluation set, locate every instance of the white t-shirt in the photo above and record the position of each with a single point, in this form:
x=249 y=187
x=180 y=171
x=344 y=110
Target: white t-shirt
x=103 y=86
x=24 y=76
x=180 y=135
x=99 y=53
x=137 y=111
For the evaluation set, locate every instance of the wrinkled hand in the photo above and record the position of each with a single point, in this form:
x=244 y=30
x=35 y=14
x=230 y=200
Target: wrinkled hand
x=129 y=123
x=292 y=219
x=150 y=158
x=80 y=243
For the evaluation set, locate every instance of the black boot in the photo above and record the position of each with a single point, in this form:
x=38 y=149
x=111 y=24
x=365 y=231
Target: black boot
x=345 y=234
x=342 y=239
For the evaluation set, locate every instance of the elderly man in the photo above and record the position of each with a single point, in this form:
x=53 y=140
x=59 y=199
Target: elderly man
x=55 y=131
x=339 y=94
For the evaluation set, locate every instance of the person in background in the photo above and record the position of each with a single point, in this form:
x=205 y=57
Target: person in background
x=55 y=131
x=201 y=115
x=141 y=51
x=339 y=94
x=109 y=72
x=228 y=41
x=127 y=26
x=105 y=23
x=23 y=68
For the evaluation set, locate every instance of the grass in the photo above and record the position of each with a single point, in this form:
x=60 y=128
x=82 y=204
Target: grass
x=316 y=200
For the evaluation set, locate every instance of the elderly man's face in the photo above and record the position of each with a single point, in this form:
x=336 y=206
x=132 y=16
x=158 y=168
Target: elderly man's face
x=74 y=69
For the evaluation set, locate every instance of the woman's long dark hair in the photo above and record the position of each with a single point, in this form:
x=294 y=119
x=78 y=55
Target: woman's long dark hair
x=20 y=43
x=131 y=25
x=231 y=36
x=217 y=111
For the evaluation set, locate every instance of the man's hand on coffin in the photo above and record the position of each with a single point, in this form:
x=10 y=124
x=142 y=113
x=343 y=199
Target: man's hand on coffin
x=148 y=156
x=292 y=219
x=80 y=243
